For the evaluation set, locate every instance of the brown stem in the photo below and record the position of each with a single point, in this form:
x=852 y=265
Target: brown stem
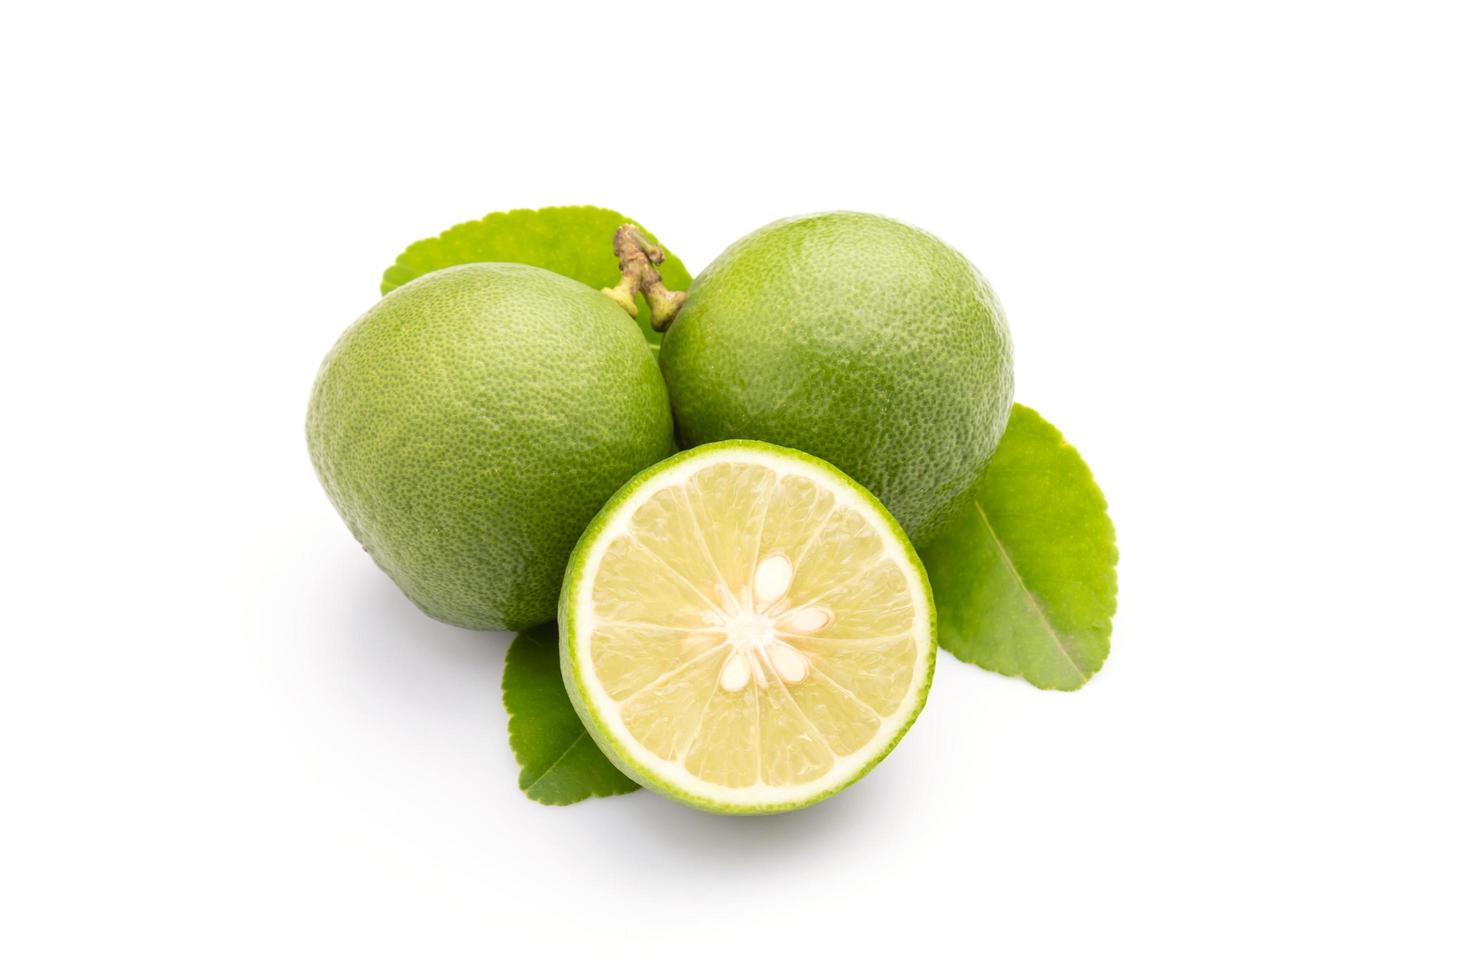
x=638 y=260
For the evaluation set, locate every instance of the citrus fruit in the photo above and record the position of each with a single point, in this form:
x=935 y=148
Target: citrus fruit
x=470 y=424
x=746 y=629
x=854 y=337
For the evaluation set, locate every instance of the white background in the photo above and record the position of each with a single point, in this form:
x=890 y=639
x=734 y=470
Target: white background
x=1233 y=248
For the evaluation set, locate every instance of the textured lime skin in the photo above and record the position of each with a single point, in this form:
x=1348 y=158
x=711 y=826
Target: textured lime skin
x=469 y=425
x=858 y=339
x=577 y=687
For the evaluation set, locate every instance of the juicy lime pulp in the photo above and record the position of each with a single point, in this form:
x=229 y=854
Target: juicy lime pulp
x=745 y=629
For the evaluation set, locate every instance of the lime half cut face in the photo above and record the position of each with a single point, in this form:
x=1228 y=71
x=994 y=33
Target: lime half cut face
x=745 y=629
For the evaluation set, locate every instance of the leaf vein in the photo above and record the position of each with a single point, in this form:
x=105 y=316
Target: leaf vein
x=555 y=762
x=1030 y=598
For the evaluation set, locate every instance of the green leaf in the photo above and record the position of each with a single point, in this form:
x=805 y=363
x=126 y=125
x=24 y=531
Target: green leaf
x=560 y=764
x=574 y=241
x=1025 y=575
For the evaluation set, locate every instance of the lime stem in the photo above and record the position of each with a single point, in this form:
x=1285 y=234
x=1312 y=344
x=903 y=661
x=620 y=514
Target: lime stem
x=638 y=261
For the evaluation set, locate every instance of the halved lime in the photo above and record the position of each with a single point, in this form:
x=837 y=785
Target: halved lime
x=745 y=629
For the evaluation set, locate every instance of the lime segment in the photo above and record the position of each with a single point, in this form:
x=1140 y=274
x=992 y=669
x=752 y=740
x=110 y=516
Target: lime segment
x=745 y=629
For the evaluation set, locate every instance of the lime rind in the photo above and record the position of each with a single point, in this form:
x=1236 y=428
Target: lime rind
x=586 y=701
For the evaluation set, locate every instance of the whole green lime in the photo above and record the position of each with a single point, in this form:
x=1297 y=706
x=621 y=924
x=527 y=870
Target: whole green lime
x=470 y=425
x=855 y=338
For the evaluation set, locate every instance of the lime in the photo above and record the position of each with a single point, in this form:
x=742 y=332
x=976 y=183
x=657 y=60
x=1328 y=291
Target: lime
x=745 y=629
x=854 y=337
x=470 y=425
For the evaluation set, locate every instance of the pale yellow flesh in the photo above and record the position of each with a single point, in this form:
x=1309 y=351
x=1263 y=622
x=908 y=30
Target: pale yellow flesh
x=751 y=628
